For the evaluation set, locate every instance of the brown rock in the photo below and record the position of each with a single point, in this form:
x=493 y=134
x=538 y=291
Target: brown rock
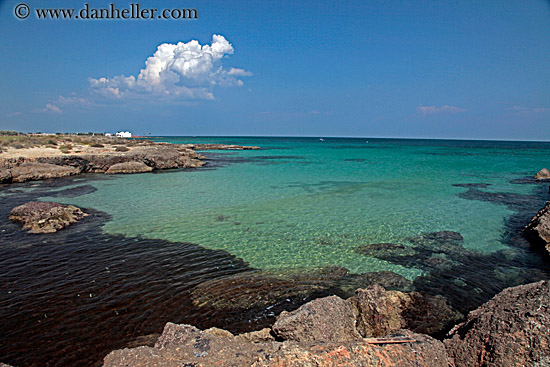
x=423 y=351
x=538 y=230
x=543 y=174
x=45 y=217
x=188 y=162
x=39 y=171
x=219 y=332
x=380 y=312
x=328 y=319
x=264 y=335
x=512 y=329
x=5 y=175
x=129 y=167
x=184 y=345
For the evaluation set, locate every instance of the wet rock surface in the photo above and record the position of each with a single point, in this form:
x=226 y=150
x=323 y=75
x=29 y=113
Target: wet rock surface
x=45 y=217
x=509 y=330
x=538 y=230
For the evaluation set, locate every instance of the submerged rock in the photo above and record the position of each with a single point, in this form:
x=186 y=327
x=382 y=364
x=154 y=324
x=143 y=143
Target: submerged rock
x=543 y=174
x=538 y=230
x=509 y=330
x=385 y=249
x=261 y=289
x=129 y=167
x=437 y=238
x=45 y=217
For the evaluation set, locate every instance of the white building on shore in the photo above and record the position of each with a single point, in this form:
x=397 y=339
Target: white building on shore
x=124 y=134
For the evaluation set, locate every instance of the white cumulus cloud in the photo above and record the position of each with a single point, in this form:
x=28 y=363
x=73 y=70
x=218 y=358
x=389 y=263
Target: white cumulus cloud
x=430 y=110
x=183 y=70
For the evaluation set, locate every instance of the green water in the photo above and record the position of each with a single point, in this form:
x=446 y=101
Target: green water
x=302 y=202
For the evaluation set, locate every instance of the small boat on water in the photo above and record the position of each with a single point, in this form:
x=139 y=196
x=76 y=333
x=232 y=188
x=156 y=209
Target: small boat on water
x=322 y=139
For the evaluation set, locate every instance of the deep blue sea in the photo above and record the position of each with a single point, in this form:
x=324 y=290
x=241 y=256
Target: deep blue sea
x=444 y=216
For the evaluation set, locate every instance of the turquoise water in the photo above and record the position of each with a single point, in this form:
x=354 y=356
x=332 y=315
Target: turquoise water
x=302 y=202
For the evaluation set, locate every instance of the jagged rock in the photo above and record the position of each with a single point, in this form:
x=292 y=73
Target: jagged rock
x=45 y=217
x=185 y=345
x=509 y=330
x=543 y=174
x=5 y=175
x=538 y=230
x=380 y=312
x=424 y=351
x=129 y=167
x=39 y=171
x=329 y=319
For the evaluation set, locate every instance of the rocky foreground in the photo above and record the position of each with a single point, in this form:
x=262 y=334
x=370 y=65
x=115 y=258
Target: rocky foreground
x=366 y=330
x=37 y=163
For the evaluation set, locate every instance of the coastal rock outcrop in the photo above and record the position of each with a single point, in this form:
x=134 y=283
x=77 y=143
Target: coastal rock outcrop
x=5 y=175
x=185 y=345
x=38 y=171
x=129 y=167
x=543 y=174
x=509 y=330
x=328 y=319
x=380 y=312
x=45 y=217
x=538 y=230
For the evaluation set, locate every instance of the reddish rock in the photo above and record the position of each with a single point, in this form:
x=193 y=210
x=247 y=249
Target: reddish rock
x=185 y=345
x=512 y=329
x=45 y=217
x=328 y=319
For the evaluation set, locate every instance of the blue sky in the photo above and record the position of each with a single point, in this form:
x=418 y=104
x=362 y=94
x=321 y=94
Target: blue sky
x=437 y=69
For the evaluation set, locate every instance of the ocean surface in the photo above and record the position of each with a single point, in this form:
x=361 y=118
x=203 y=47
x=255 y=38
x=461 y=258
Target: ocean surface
x=312 y=216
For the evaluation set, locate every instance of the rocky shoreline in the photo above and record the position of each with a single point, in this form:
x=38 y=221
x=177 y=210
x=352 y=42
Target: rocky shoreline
x=366 y=330
x=141 y=156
